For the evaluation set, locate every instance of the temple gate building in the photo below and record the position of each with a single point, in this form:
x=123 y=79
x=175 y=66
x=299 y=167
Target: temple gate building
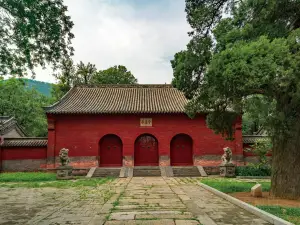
x=133 y=125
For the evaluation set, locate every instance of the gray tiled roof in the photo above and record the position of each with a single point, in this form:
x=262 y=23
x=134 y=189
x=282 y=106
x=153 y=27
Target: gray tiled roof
x=120 y=99
x=7 y=123
x=251 y=139
x=25 y=142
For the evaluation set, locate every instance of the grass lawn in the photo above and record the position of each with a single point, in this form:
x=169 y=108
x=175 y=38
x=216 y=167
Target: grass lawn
x=39 y=180
x=232 y=185
x=290 y=214
x=27 y=176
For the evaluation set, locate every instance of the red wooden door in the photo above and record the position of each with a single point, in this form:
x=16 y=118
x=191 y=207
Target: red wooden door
x=181 y=150
x=146 y=151
x=110 y=151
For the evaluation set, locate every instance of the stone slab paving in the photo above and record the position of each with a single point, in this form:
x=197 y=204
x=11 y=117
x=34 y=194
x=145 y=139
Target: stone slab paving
x=137 y=200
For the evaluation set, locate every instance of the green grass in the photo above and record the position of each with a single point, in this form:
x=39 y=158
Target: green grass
x=40 y=180
x=290 y=214
x=231 y=185
x=27 y=176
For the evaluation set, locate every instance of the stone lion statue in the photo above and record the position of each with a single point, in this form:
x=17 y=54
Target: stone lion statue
x=227 y=156
x=64 y=156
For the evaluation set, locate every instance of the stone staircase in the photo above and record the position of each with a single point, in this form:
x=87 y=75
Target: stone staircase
x=146 y=171
x=107 y=172
x=186 y=171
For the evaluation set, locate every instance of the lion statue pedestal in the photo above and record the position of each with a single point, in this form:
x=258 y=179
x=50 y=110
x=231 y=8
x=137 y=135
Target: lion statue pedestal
x=64 y=171
x=227 y=168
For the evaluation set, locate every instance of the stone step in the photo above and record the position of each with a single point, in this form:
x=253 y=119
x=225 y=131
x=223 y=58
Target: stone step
x=106 y=172
x=186 y=171
x=146 y=171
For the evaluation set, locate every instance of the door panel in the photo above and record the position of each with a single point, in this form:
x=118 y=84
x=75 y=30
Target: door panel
x=181 y=151
x=146 y=151
x=110 y=151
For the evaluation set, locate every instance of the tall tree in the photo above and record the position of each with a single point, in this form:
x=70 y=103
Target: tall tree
x=66 y=77
x=71 y=75
x=25 y=105
x=33 y=33
x=114 y=75
x=255 y=50
x=85 y=72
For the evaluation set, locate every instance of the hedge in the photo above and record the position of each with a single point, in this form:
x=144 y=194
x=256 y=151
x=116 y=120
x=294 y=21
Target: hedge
x=264 y=170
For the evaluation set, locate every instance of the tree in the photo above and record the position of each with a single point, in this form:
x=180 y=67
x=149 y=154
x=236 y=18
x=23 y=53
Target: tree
x=255 y=51
x=25 y=105
x=114 y=75
x=71 y=75
x=33 y=33
x=256 y=108
x=67 y=78
x=85 y=72
x=261 y=148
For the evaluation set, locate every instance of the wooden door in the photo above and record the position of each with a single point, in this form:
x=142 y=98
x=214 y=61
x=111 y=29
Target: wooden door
x=146 y=151
x=181 y=150
x=110 y=151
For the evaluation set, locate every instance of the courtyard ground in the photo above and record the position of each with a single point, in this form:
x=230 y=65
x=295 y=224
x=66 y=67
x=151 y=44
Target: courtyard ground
x=138 y=200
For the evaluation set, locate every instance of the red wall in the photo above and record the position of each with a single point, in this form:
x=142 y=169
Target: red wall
x=81 y=133
x=22 y=158
x=15 y=153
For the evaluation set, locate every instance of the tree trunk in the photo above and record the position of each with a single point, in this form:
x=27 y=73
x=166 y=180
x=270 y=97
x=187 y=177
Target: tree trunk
x=285 y=181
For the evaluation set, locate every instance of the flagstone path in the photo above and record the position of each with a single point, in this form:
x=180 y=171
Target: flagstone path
x=131 y=201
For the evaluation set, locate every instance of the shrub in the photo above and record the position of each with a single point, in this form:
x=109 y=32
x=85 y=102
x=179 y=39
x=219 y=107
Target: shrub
x=253 y=170
x=260 y=148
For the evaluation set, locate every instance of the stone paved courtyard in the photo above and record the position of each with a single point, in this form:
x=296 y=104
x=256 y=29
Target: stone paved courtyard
x=138 y=200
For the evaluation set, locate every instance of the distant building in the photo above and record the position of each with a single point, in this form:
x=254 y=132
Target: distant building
x=9 y=128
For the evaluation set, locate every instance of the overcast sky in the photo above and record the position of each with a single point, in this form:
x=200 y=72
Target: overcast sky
x=142 y=35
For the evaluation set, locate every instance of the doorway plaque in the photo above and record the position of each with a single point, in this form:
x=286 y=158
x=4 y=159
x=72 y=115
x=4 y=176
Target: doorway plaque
x=146 y=122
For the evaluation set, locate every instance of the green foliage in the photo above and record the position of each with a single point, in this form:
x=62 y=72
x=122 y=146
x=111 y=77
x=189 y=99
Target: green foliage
x=260 y=148
x=287 y=213
x=255 y=51
x=71 y=75
x=33 y=33
x=40 y=86
x=27 y=176
x=85 y=72
x=25 y=105
x=67 y=78
x=184 y=63
x=231 y=185
x=114 y=75
x=256 y=111
x=253 y=170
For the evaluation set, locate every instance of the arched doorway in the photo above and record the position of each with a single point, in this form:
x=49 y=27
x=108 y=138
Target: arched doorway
x=110 y=151
x=181 y=150
x=146 y=151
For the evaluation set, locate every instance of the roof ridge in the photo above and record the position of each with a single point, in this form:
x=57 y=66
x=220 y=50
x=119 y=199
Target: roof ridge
x=26 y=138
x=124 y=86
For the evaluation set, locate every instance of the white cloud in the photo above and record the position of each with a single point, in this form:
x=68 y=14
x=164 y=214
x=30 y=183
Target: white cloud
x=143 y=37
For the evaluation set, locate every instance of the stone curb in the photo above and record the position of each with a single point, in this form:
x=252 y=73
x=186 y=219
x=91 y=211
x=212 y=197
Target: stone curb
x=253 y=177
x=252 y=209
